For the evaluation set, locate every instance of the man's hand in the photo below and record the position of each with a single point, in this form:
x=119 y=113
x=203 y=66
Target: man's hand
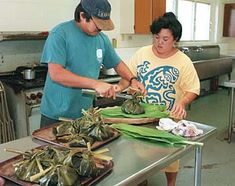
x=105 y=90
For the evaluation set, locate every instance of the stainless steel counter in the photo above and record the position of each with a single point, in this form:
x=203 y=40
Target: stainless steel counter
x=134 y=160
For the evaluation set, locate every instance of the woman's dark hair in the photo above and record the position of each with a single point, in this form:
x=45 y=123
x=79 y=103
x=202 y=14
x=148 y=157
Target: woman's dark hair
x=77 y=12
x=168 y=21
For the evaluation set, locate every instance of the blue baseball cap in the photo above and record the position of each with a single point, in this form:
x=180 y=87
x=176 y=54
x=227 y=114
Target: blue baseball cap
x=100 y=12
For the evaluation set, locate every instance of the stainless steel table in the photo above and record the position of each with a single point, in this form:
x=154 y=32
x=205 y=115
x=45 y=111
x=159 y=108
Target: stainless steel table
x=230 y=84
x=134 y=160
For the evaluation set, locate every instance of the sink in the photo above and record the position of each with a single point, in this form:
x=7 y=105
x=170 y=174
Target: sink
x=196 y=53
x=211 y=68
x=208 y=62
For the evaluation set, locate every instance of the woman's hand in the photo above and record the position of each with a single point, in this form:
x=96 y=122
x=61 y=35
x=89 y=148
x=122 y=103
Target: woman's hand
x=178 y=111
x=138 y=86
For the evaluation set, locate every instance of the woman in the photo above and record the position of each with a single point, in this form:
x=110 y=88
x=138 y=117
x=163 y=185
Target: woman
x=167 y=74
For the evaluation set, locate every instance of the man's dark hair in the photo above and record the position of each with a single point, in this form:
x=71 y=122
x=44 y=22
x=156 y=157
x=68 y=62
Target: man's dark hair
x=168 y=21
x=77 y=12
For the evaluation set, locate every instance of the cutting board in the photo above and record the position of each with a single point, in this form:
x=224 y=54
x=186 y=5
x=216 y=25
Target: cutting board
x=139 y=121
x=151 y=115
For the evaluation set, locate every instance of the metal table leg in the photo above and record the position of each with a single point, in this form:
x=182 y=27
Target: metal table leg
x=198 y=166
x=230 y=127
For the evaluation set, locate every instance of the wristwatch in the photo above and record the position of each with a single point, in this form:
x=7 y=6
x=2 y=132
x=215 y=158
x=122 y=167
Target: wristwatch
x=133 y=79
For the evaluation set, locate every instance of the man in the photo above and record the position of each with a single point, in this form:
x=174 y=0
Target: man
x=74 y=52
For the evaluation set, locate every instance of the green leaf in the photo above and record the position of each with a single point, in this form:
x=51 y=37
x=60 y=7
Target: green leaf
x=152 y=134
x=151 y=111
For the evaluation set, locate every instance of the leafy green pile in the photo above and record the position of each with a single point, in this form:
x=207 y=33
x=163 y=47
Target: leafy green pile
x=151 y=111
x=133 y=106
x=89 y=128
x=56 y=166
x=153 y=135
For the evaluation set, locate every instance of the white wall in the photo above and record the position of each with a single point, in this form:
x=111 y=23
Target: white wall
x=41 y=15
x=34 y=15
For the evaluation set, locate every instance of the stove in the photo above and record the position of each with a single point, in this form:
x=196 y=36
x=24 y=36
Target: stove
x=24 y=99
x=17 y=82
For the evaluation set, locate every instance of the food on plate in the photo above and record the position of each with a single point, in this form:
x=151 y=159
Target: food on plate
x=89 y=128
x=46 y=167
x=75 y=140
x=59 y=166
x=133 y=106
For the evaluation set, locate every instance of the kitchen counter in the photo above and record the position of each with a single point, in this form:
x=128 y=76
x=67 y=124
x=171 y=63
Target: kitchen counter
x=134 y=160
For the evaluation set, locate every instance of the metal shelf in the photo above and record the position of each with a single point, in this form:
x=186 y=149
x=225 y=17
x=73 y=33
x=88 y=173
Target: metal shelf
x=13 y=36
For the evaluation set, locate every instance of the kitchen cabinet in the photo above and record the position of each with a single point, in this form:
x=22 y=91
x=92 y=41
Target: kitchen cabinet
x=137 y=15
x=229 y=20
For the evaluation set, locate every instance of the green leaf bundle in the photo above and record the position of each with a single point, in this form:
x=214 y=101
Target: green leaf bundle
x=151 y=111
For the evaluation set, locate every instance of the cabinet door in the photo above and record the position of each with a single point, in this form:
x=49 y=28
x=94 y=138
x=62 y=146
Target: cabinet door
x=145 y=12
x=159 y=8
x=136 y=16
x=143 y=16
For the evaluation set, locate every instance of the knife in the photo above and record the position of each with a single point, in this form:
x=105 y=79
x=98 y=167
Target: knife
x=93 y=92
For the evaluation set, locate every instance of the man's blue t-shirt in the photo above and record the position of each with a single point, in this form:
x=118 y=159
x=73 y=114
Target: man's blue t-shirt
x=81 y=54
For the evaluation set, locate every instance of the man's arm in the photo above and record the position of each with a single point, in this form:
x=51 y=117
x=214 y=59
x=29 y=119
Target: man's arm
x=67 y=78
x=127 y=79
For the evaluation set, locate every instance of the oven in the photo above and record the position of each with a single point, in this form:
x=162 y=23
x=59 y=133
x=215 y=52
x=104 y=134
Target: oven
x=24 y=98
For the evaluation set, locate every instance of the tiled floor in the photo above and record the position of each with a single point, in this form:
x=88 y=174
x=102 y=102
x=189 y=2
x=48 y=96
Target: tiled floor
x=218 y=160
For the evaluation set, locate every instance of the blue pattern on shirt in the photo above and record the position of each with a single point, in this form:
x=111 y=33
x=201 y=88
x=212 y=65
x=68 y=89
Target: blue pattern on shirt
x=161 y=78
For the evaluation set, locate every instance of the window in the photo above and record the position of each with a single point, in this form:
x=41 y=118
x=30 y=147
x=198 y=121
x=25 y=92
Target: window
x=194 y=17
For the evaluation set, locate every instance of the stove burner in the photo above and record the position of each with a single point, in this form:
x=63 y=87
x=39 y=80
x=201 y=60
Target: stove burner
x=18 y=83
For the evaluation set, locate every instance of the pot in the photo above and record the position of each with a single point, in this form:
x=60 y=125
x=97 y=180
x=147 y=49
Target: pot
x=29 y=74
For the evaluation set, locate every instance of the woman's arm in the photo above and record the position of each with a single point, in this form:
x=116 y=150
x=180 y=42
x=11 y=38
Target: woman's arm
x=178 y=111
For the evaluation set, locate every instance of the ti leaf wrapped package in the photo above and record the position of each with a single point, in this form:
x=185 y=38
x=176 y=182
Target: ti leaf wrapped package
x=133 y=106
x=49 y=166
x=89 y=128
